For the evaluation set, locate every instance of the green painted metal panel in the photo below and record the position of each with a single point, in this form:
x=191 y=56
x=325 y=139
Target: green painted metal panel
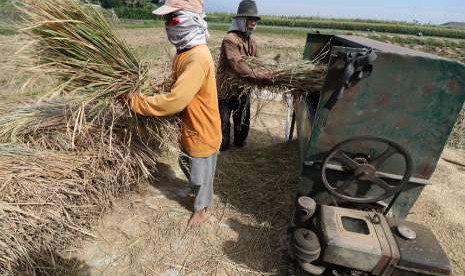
x=413 y=101
x=411 y=98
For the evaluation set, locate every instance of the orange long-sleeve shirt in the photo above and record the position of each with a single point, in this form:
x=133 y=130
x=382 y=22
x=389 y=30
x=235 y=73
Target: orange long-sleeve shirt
x=194 y=96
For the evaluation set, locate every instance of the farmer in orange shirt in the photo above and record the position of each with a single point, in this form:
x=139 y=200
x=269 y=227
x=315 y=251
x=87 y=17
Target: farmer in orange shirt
x=193 y=96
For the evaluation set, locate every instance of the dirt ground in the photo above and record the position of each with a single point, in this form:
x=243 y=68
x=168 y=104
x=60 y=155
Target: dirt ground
x=146 y=234
x=442 y=207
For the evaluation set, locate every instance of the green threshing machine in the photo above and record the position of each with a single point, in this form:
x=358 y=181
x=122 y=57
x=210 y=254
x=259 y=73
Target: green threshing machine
x=369 y=143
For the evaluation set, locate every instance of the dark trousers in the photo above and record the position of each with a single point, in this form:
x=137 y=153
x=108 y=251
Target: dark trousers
x=239 y=108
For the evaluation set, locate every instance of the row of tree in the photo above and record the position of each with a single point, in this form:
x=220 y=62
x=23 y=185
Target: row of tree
x=109 y=4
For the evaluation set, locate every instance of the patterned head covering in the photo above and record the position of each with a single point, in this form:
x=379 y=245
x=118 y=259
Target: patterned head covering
x=186 y=29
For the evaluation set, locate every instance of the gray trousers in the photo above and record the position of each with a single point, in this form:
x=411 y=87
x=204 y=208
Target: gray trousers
x=200 y=172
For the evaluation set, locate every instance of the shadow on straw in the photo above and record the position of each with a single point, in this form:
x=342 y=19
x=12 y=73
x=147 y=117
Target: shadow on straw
x=172 y=186
x=51 y=263
x=259 y=182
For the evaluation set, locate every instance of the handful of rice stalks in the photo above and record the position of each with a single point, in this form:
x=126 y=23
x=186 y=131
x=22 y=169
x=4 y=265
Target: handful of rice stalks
x=76 y=44
x=294 y=79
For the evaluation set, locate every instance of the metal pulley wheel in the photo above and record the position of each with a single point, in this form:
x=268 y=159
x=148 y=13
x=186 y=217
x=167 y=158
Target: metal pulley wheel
x=307 y=245
x=364 y=173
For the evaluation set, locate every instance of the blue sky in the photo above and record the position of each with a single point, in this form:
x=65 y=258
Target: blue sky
x=425 y=11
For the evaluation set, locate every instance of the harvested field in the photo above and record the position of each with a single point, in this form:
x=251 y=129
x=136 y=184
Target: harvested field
x=145 y=233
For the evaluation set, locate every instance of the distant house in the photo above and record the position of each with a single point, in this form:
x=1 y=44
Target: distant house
x=455 y=24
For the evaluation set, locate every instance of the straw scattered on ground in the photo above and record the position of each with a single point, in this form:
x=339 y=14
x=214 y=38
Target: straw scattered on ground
x=457 y=137
x=49 y=199
x=245 y=235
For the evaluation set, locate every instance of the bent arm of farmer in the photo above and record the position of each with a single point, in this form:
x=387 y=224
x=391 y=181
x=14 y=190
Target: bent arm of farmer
x=238 y=63
x=182 y=92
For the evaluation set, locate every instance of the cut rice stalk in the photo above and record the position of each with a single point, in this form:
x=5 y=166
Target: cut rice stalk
x=294 y=79
x=76 y=44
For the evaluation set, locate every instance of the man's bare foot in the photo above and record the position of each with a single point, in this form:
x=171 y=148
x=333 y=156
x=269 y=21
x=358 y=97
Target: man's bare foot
x=198 y=218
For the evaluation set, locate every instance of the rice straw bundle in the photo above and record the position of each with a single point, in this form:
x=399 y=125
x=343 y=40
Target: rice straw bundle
x=49 y=199
x=293 y=79
x=75 y=43
x=53 y=125
x=21 y=122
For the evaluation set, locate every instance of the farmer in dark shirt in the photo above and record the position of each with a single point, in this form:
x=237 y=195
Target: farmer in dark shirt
x=238 y=44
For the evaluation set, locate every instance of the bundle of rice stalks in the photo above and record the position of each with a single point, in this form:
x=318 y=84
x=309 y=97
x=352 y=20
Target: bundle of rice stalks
x=55 y=125
x=293 y=79
x=22 y=123
x=75 y=43
x=48 y=199
x=93 y=66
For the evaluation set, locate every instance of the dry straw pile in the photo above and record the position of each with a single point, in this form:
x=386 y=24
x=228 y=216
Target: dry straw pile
x=66 y=155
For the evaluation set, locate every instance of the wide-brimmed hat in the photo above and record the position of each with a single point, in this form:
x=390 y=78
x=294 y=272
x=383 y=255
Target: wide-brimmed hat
x=247 y=8
x=171 y=6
